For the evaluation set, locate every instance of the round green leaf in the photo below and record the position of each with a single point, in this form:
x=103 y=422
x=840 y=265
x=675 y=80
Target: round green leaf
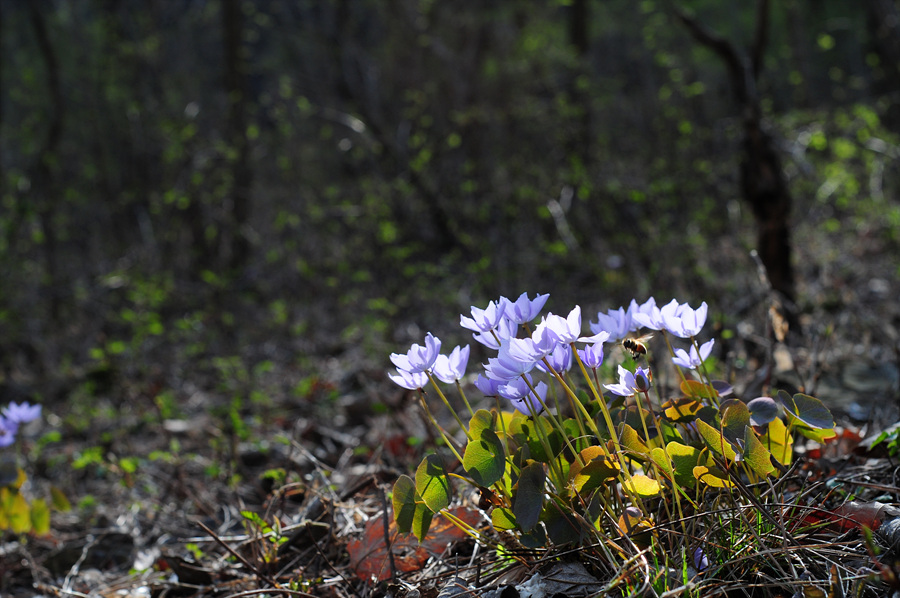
x=432 y=483
x=484 y=458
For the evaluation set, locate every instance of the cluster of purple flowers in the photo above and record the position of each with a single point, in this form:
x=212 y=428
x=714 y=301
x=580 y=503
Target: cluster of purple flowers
x=14 y=415
x=547 y=348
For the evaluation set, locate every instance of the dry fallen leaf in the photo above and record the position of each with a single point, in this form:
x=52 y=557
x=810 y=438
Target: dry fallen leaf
x=369 y=555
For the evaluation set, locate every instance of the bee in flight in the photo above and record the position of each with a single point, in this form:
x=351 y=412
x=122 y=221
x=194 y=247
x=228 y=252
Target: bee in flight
x=636 y=346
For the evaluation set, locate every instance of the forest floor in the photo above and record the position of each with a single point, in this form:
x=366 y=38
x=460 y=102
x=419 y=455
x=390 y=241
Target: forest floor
x=193 y=474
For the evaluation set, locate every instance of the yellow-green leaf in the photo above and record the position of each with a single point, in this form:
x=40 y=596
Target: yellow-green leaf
x=712 y=476
x=682 y=409
x=592 y=469
x=756 y=455
x=684 y=459
x=40 y=517
x=715 y=441
x=643 y=486
x=19 y=515
x=58 y=500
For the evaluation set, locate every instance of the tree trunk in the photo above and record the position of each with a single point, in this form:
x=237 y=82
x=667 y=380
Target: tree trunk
x=42 y=175
x=236 y=127
x=763 y=184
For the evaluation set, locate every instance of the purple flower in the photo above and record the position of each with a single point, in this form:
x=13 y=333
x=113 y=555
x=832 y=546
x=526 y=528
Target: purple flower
x=560 y=359
x=701 y=561
x=505 y=330
x=7 y=432
x=630 y=383
x=523 y=399
x=483 y=320
x=592 y=355
x=684 y=321
x=566 y=330
x=693 y=360
x=418 y=358
x=505 y=366
x=617 y=322
x=523 y=310
x=410 y=380
x=21 y=414
x=488 y=386
x=451 y=368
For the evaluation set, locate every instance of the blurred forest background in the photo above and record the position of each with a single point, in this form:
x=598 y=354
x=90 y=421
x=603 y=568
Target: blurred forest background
x=217 y=187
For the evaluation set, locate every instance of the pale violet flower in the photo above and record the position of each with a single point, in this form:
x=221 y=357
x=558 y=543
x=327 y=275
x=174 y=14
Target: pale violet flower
x=526 y=349
x=592 y=355
x=523 y=310
x=560 y=359
x=693 y=360
x=648 y=315
x=21 y=413
x=418 y=359
x=566 y=330
x=505 y=330
x=523 y=399
x=600 y=337
x=489 y=387
x=483 y=320
x=630 y=383
x=689 y=321
x=617 y=322
x=7 y=432
x=505 y=366
x=450 y=368
x=409 y=380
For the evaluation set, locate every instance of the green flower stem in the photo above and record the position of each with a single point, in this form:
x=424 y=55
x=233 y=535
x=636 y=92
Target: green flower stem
x=704 y=372
x=672 y=354
x=606 y=416
x=465 y=400
x=447 y=403
x=555 y=472
x=559 y=479
x=438 y=426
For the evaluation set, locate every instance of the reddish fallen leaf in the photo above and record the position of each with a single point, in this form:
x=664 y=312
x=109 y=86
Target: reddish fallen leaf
x=853 y=515
x=369 y=555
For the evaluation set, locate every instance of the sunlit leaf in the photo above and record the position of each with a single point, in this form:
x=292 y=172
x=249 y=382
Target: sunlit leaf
x=662 y=461
x=712 y=476
x=529 y=496
x=432 y=483
x=594 y=468
x=715 y=441
x=630 y=439
x=698 y=390
x=684 y=459
x=502 y=519
x=778 y=441
x=484 y=458
x=683 y=409
x=636 y=525
x=643 y=486
x=19 y=515
x=756 y=455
